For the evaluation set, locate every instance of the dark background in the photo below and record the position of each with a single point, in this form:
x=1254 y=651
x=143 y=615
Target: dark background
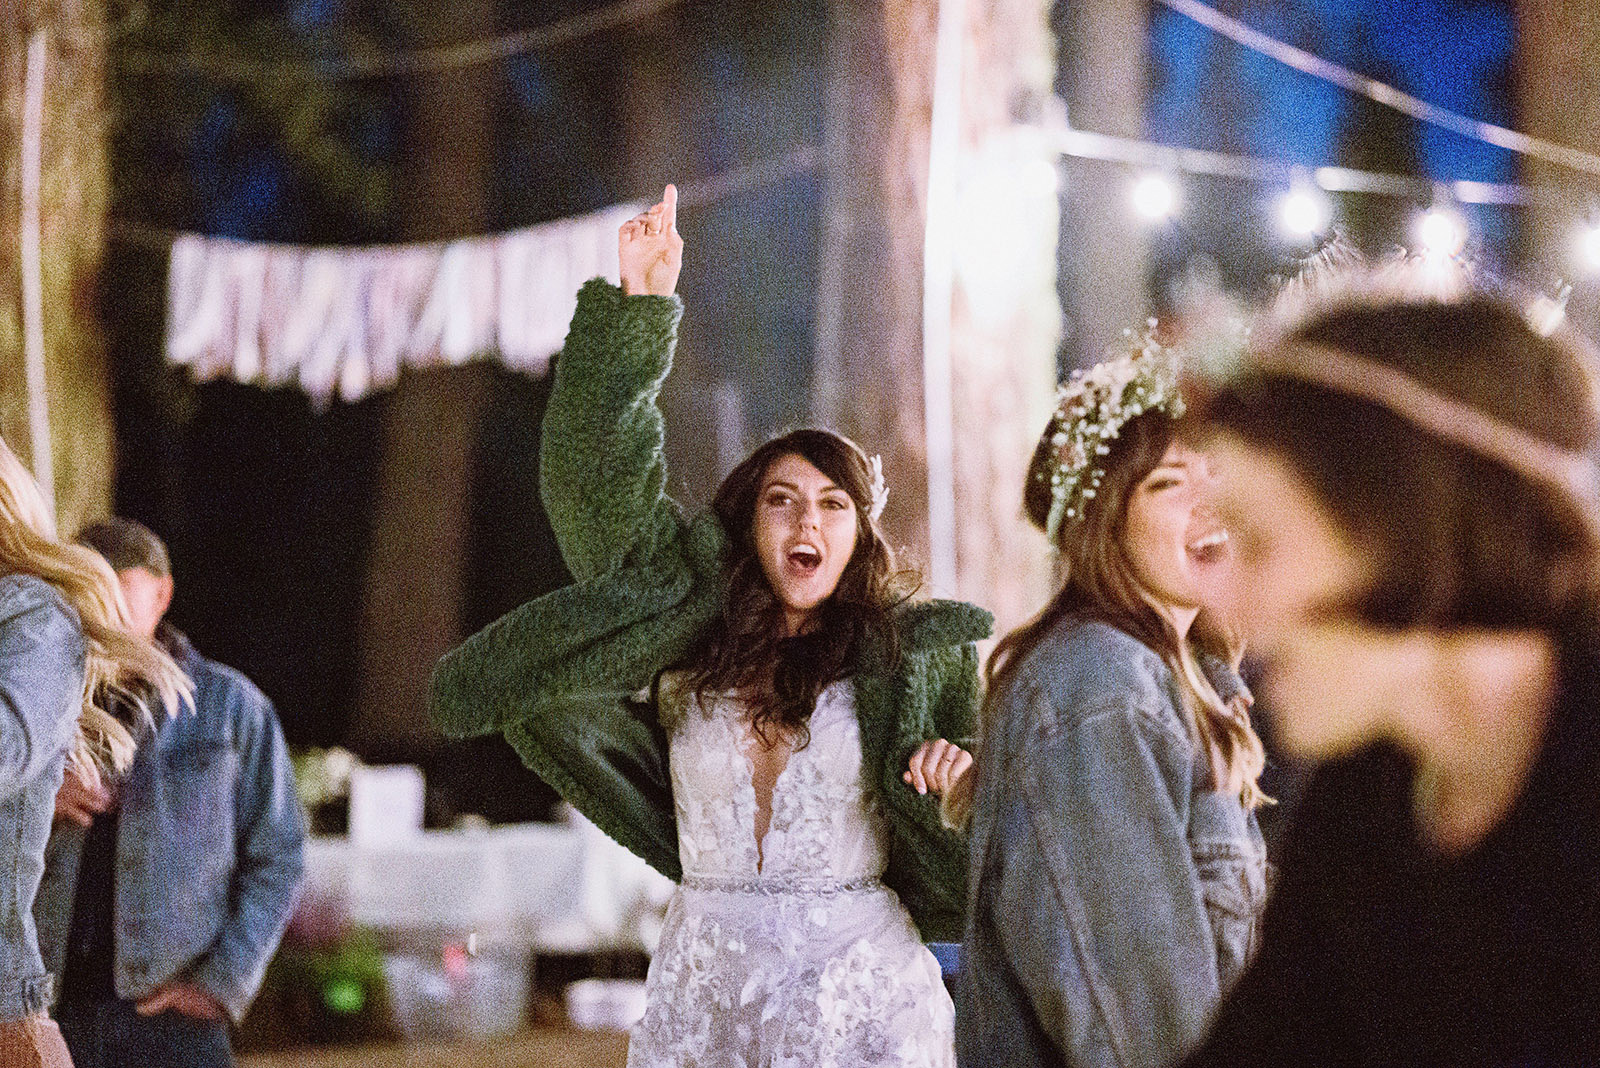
x=267 y=503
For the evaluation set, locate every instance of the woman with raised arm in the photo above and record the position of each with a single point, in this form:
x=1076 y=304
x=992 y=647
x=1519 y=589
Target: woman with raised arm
x=747 y=700
x=65 y=655
x=1411 y=482
x=1117 y=869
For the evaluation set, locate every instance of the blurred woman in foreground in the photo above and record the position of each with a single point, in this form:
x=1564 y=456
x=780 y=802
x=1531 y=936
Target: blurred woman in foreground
x=1412 y=497
x=64 y=655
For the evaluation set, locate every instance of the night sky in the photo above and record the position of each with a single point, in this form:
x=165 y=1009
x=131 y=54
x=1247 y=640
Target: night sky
x=1209 y=92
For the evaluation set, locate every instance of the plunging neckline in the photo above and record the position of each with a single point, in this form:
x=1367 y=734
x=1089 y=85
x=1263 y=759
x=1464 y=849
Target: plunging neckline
x=745 y=741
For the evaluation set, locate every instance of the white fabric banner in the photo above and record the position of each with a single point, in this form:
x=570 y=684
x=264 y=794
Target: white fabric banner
x=346 y=320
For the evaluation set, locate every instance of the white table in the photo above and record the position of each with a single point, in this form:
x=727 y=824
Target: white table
x=562 y=887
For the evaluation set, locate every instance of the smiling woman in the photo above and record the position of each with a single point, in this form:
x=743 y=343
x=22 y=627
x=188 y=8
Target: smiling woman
x=805 y=534
x=1116 y=861
x=799 y=710
x=1413 y=487
x=809 y=579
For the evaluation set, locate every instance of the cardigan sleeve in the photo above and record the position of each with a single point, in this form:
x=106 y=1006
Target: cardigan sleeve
x=602 y=471
x=927 y=860
x=956 y=698
x=555 y=674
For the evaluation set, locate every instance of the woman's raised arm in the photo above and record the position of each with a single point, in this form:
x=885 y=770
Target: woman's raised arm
x=602 y=471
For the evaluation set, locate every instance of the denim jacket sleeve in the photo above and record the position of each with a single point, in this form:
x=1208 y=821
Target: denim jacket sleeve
x=270 y=830
x=1128 y=976
x=41 y=672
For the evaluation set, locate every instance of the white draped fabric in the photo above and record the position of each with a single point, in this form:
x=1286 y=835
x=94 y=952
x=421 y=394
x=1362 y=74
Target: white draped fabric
x=346 y=320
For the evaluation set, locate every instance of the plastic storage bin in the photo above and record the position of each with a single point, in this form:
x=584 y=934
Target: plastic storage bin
x=605 y=1004
x=456 y=996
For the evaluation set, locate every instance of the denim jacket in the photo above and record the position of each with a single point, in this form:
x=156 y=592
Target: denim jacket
x=41 y=692
x=1113 y=894
x=209 y=847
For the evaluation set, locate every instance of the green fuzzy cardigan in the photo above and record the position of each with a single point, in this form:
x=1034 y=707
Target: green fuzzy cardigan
x=558 y=674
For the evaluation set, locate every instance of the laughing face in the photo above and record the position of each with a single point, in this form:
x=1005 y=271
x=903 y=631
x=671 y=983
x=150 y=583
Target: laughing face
x=1176 y=545
x=1290 y=590
x=805 y=533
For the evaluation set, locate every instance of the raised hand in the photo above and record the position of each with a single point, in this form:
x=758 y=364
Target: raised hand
x=650 y=250
x=937 y=766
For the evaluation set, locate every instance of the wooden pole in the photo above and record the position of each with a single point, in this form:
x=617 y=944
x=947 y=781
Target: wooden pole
x=30 y=240
x=1103 y=78
x=939 y=358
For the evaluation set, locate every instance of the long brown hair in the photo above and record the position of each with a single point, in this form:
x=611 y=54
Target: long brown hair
x=120 y=667
x=1099 y=583
x=1488 y=548
x=746 y=649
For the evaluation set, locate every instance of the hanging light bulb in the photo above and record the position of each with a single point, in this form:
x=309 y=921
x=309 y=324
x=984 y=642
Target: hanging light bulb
x=1589 y=247
x=1303 y=213
x=1154 y=197
x=1441 y=232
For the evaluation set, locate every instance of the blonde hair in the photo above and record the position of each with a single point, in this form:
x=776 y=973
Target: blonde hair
x=1099 y=583
x=119 y=665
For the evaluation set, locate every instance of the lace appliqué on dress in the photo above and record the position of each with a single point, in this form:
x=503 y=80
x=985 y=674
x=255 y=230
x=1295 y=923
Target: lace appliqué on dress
x=807 y=959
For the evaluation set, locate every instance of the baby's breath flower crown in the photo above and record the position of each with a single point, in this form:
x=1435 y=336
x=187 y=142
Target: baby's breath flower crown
x=1092 y=407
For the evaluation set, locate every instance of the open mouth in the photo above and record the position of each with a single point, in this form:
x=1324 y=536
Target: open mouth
x=804 y=560
x=1209 y=549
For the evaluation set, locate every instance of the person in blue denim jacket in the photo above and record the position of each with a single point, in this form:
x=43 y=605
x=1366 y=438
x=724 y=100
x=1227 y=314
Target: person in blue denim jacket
x=166 y=893
x=61 y=643
x=1117 y=869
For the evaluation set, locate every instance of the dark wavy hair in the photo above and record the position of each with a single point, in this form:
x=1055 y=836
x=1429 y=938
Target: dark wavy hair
x=746 y=649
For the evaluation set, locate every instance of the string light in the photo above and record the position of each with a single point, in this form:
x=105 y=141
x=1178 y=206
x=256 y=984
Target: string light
x=1303 y=213
x=1589 y=247
x=1441 y=232
x=1153 y=197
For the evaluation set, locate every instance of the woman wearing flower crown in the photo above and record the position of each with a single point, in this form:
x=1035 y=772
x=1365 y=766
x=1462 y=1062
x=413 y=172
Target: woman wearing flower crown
x=1116 y=864
x=1412 y=481
x=783 y=764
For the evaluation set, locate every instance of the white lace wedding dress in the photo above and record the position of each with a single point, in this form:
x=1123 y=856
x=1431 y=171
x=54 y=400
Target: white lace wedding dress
x=794 y=954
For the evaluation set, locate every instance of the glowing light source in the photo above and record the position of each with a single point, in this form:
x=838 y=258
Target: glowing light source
x=1154 y=197
x=1004 y=226
x=1441 y=232
x=1303 y=213
x=1589 y=247
x=1545 y=313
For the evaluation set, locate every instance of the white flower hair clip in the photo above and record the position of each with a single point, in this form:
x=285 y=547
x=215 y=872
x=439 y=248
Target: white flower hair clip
x=880 y=489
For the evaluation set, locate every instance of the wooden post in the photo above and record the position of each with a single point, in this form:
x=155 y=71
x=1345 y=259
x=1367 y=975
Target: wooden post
x=869 y=382
x=421 y=528
x=51 y=242
x=873 y=375
x=1103 y=71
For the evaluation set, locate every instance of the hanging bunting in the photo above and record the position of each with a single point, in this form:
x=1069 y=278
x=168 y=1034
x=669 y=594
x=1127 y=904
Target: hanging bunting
x=345 y=321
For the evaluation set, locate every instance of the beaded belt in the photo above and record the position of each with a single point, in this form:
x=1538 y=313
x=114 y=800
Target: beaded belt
x=770 y=887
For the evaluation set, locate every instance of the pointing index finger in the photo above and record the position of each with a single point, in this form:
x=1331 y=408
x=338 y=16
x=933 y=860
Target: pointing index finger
x=669 y=197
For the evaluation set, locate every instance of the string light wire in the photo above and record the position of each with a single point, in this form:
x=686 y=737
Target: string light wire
x=432 y=60
x=1085 y=144
x=1387 y=95
x=696 y=193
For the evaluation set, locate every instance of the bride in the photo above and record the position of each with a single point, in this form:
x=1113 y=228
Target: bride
x=784 y=766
